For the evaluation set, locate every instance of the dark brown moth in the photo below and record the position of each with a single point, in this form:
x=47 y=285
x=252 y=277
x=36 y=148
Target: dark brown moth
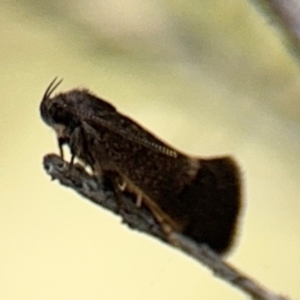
x=198 y=197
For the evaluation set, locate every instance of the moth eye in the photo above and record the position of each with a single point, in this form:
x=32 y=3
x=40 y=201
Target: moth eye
x=60 y=115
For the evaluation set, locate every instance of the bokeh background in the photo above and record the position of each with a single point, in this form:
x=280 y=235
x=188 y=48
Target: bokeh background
x=210 y=78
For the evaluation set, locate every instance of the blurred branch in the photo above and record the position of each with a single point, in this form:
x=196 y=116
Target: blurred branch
x=140 y=218
x=286 y=15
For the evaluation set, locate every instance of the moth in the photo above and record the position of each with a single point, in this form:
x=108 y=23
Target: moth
x=198 y=197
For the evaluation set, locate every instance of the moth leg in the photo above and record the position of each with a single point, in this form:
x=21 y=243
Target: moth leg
x=97 y=170
x=166 y=226
x=139 y=196
x=61 y=142
x=72 y=160
x=122 y=186
x=139 y=200
x=72 y=141
x=163 y=223
x=168 y=230
x=114 y=178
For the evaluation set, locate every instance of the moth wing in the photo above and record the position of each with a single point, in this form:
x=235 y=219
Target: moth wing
x=129 y=130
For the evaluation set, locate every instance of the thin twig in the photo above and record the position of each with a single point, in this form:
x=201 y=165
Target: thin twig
x=140 y=218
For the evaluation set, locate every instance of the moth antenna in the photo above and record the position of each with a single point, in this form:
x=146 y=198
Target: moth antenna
x=150 y=145
x=51 y=88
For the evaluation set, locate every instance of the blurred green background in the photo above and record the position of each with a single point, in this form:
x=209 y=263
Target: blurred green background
x=210 y=78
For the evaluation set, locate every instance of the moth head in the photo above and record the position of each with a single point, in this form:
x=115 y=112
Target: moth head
x=57 y=112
